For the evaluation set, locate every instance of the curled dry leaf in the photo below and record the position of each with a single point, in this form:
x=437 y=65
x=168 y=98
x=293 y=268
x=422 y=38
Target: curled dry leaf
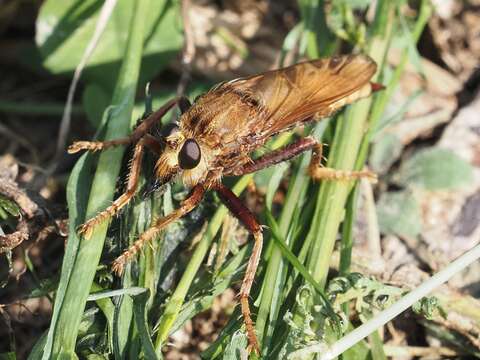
x=11 y=191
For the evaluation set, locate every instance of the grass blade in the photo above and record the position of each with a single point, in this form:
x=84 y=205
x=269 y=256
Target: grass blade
x=82 y=257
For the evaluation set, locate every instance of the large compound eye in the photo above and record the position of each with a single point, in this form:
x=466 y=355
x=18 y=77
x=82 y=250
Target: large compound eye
x=189 y=155
x=169 y=129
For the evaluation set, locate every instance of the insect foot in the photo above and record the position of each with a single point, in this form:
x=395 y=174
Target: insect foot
x=323 y=173
x=86 y=229
x=245 y=291
x=85 y=145
x=249 y=325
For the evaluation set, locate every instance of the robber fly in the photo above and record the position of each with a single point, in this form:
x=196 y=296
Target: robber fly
x=216 y=135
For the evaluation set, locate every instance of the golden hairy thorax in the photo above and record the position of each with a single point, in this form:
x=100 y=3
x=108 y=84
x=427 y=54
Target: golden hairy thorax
x=236 y=117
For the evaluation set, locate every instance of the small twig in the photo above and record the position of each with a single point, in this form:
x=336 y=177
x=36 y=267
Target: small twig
x=8 y=322
x=11 y=190
x=10 y=241
x=188 y=50
x=418 y=351
x=102 y=22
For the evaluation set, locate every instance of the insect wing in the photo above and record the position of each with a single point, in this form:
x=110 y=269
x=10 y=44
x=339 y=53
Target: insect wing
x=307 y=91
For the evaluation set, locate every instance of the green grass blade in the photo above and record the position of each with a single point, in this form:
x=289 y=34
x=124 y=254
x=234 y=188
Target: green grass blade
x=347 y=233
x=79 y=267
x=139 y=309
x=274 y=277
x=292 y=259
x=231 y=272
x=333 y=194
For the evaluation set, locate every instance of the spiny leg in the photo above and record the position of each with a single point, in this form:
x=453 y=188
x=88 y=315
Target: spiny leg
x=318 y=172
x=187 y=205
x=133 y=176
x=277 y=156
x=234 y=204
x=316 y=169
x=142 y=129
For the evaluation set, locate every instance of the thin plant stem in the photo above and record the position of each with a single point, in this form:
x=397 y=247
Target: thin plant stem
x=401 y=305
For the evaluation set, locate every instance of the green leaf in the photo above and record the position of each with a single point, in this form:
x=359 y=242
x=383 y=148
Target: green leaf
x=385 y=151
x=132 y=291
x=37 y=350
x=274 y=182
x=8 y=356
x=376 y=346
x=82 y=257
x=9 y=206
x=231 y=271
x=95 y=100
x=435 y=169
x=79 y=182
x=236 y=346
x=287 y=253
x=139 y=310
x=64 y=28
x=399 y=213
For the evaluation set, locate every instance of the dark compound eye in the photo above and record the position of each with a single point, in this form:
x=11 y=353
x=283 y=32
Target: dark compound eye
x=169 y=129
x=189 y=155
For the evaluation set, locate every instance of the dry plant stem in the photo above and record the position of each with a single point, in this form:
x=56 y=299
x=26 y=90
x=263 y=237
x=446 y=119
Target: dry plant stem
x=188 y=49
x=188 y=205
x=10 y=189
x=9 y=241
x=419 y=351
x=105 y=13
x=404 y=303
x=234 y=204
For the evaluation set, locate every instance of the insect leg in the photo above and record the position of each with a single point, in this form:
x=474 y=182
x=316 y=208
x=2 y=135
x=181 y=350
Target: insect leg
x=277 y=156
x=234 y=204
x=123 y=200
x=137 y=133
x=318 y=172
x=316 y=169
x=184 y=104
x=152 y=144
x=188 y=205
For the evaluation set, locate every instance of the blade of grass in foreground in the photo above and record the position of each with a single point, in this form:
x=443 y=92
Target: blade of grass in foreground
x=81 y=258
x=329 y=213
